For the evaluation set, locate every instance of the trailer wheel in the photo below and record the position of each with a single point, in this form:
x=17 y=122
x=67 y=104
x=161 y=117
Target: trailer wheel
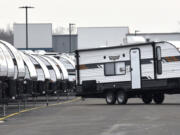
x=122 y=97
x=147 y=98
x=158 y=98
x=110 y=98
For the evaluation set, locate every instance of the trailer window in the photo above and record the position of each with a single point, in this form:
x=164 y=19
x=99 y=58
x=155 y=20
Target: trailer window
x=158 y=51
x=159 y=63
x=109 y=69
x=120 y=68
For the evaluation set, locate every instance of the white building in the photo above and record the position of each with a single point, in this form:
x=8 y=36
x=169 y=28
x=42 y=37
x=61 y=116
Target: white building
x=158 y=36
x=39 y=36
x=95 y=37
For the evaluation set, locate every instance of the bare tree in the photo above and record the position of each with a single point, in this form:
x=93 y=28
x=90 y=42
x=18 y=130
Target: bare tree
x=64 y=30
x=59 y=30
x=6 y=34
x=73 y=29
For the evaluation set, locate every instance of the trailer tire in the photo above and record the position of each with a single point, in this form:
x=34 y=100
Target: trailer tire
x=158 y=98
x=146 y=98
x=110 y=98
x=121 y=97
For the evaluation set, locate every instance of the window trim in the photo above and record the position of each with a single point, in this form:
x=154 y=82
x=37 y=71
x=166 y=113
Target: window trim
x=158 y=47
x=158 y=61
x=105 y=69
x=114 y=63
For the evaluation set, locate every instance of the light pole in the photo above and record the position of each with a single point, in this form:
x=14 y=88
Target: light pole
x=136 y=31
x=26 y=11
x=70 y=26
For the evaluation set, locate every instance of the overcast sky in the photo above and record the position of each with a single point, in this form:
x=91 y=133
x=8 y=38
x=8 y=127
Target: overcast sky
x=142 y=15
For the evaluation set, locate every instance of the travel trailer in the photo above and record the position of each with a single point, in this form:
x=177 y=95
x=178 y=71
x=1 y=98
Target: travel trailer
x=26 y=74
x=55 y=75
x=15 y=63
x=30 y=76
x=144 y=70
x=67 y=65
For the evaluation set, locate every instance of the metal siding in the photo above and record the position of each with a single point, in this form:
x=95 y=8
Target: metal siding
x=163 y=37
x=19 y=60
x=9 y=60
x=43 y=73
x=98 y=57
x=94 y=37
x=61 y=66
x=55 y=68
x=4 y=65
x=61 y=43
x=159 y=36
x=39 y=36
x=169 y=69
x=30 y=68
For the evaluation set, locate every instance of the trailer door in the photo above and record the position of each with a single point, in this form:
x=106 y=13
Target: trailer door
x=135 y=69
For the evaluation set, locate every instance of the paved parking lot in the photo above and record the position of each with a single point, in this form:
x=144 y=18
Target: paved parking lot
x=14 y=106
x=94 y=117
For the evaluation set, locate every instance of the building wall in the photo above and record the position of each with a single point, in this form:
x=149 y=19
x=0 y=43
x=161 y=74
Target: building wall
x=39 y=36
x=159 y=36
x=61 y=43
x=90 y=37
x=95 y=37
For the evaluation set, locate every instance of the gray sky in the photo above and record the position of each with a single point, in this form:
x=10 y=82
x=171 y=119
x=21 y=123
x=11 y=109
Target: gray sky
x=143 y=15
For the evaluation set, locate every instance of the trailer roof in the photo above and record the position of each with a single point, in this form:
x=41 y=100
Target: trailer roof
x=119 y=46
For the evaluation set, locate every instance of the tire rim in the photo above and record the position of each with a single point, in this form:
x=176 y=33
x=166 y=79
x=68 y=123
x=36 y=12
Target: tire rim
x=109 y=97
x=120 y=97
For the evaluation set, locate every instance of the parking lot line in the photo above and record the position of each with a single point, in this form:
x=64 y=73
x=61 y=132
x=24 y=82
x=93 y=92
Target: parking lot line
x=35 y=108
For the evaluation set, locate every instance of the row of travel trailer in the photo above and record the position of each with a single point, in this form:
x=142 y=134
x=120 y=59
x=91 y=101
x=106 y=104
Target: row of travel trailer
x=139 y=70
x=28 y=73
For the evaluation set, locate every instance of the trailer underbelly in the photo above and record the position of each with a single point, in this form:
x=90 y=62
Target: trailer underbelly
x=98 y=90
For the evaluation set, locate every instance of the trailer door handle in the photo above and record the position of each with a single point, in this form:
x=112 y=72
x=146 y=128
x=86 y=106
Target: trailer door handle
x=122 y=69
x=131 y=69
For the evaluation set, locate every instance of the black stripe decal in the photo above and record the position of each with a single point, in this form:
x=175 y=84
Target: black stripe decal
x=143 y=61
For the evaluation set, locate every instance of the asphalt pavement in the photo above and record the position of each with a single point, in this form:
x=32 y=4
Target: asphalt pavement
x=94 y=117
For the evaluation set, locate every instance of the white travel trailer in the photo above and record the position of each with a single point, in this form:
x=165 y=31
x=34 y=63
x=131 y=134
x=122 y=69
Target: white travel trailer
x=69 y=63
x=31 y=75
x=3 y=74
x=16 y=70
x=55 y=75
x=43 y=75
x=146 y=70
x=67 y=66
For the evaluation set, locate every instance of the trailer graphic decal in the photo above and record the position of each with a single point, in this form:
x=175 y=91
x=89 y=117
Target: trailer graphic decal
x=114 y=57
x=91 y=66
x=127 y=63
x=172 y=58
